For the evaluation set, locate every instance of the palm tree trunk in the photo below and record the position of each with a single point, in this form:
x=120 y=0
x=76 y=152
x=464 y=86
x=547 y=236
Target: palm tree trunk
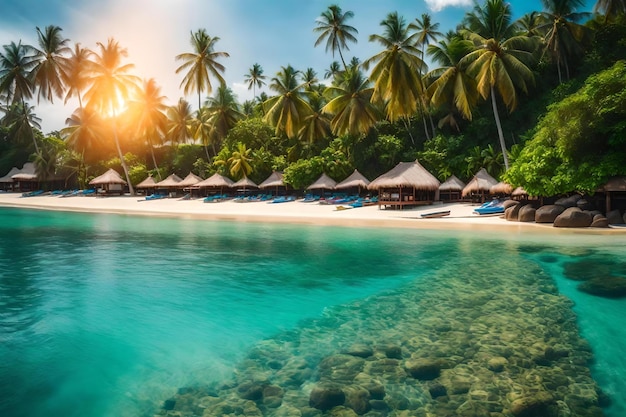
x=407 y=126
x=345 y=67
x=432 y=124
x=121 y=156
x=206 y=151
x=154 y=159
x=500 y=134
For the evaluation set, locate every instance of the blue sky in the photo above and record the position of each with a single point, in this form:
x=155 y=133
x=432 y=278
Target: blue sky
x=273 y=33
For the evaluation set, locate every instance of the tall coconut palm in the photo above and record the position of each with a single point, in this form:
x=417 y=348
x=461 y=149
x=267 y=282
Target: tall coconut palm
x=111 y=86
x=147 y=115
x=333 y=71
x=20 y=120
x=16 y=63
x=451 y=85
x=50 y=72
x=179 y=122
x=240 y=161
x=202 y=128
x=530 y=24
x=610 y=8
x=200 y=64
x=563 y=36
x=502 y=59
x=84 y=131
x=255 y=78
x=333 y=29
x=396 y=69
x=351 y=105
x=309 y=78
x=224 y=111
x=316 y=125
x=287 y=110
x=76 y=77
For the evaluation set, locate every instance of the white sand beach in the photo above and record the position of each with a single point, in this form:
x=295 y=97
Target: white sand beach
x=296 y=212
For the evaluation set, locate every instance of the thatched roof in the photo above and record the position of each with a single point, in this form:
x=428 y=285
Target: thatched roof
x=109 y=177
x=189 y=180
x=147 y=183
x=501 y=188
x=355 y=180
x=27 y=173
x=482 y=182
x=324 y=182
x=215 y=180
x=274 y=180
x=170 y=182
x=519 y=191
x=245 y=182
x=7 y=177
x=615 y=184
x=452 y=184
x=406 y=174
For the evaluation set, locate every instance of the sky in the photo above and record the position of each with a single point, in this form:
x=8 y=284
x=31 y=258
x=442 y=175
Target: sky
x=272 y=33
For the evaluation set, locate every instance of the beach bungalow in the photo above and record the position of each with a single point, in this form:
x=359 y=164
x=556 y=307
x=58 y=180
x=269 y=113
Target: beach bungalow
x=356 y=181
x=214 y=182
x=501 y=189
x=147 y=184
x=407 y=184
x=6 y=182
x=519 y=193
x=614 y=193
x=188 y=182
x=26 y=178
x=110 y=182
x=274 y=182
x=169 y=184
x=243 y=185
x=479 y=185
x=450 y=189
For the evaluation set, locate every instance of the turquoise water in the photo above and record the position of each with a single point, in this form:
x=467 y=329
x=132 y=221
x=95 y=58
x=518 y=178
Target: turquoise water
x=105 y=315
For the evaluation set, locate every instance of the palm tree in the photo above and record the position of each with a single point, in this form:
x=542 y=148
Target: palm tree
x=20 y=119
x=333 y=29
x=111 y=86
x=309 y=78
x=224 y=111
x=501 y=60
x=147 y=115
x=202 y=129
x=451 y=84
x=200 y=64
x=351 y=105
x=179 y=125
x=255 y=78
x=287 y=110
x=240 y=161
x=610 y=8
x=85 y=130
x=49 y=74
x=397 y=68
x=317 y=124
x=563 y=36
x=530 y=24
x=76 y=78
x=16 y=63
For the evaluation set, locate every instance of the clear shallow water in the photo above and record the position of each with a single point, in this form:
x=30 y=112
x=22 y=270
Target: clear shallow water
x=108 y=315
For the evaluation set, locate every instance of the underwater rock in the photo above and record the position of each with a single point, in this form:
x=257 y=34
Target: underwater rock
x=573 y=217
x=392 y=351
x=361 y=350
x=497 y=364
x=374 y=386
x=357 y=398
x=341 y=368
x=423 y=368
x=539 y=404
x=326 y=396
x=437 y=390
x=169 y=404
x=548 y=213
x=608 y=287
x=342 y=412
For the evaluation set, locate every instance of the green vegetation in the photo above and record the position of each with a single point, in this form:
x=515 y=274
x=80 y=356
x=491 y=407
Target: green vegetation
x=538 y=102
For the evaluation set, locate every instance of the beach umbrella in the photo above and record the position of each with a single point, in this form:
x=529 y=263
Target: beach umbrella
x=147 y=183
x=245 y=183
x=215 y=181
x=274 y=180
x=324 y=182
x=410 y=175
x=170 y=182
x=6 y=180
x=189 y=181
x=109 y=177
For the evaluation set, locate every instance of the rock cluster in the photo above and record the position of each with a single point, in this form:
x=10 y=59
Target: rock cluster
x=573 y=211
x=481 y=343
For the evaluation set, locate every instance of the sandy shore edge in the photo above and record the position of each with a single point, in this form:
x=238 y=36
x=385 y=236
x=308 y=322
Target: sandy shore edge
x=296 y=212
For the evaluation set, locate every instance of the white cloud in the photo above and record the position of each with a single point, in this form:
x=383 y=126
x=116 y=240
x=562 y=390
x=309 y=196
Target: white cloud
x=439 y=5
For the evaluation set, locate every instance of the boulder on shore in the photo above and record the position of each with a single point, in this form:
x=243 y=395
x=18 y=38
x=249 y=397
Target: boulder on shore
x=527 y=214
x=549 y=213
x=615 y=217
x=573 y=217
x=568 y=202
x=600 y=221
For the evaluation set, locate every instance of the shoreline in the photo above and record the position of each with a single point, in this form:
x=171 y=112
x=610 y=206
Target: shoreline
x=296 y=212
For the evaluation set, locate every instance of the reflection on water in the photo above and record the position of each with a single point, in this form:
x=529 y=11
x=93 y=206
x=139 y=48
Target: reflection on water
x=121 y=311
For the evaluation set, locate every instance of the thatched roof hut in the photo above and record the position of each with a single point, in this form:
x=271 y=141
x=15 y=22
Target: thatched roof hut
x=245 y=183
x=518 y=192
x=274 y=180
x=170 y=182
x=324 y=182
x=190 y=180
x=452 y=187
x=6 y=182
x=109 y=177
x=501 y=188
x=27 y=173
x=481 y=183
x=355 y=180
x=613 y=185
x=406 y=175
x=215 y=181
x=147 y=183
